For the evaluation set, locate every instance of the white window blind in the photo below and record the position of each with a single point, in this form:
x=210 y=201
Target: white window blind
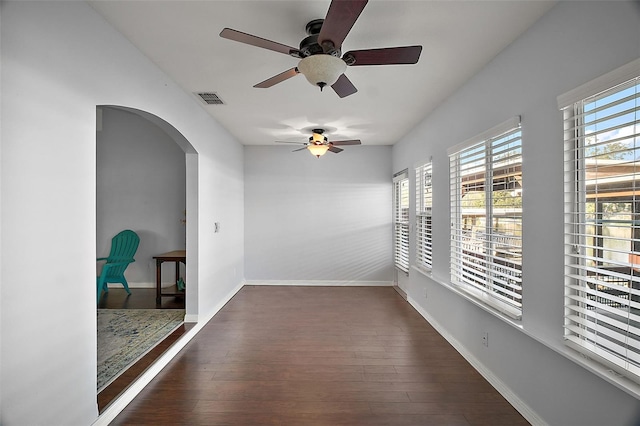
x=424 y=246
x=486 y=223
x=401 y=220
x=602 y=225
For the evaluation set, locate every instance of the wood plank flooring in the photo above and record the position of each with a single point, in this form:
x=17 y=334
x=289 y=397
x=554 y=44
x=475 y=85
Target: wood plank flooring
x=319 y=356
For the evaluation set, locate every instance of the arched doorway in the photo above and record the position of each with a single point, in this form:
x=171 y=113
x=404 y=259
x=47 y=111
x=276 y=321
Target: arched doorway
x=147 y=181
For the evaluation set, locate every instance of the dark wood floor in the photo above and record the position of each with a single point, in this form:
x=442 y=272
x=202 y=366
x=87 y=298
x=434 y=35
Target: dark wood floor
x=318 y=356
x=140 y=298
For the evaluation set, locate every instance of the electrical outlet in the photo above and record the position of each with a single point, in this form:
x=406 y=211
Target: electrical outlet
x=485 y=339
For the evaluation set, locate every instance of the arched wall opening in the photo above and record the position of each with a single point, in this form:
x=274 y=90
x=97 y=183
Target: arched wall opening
x=171 y=226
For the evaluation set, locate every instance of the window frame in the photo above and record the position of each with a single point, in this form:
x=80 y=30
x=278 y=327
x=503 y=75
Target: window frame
x=486 y=265
x=596 y=297
x=424 y=217
x=401 y=221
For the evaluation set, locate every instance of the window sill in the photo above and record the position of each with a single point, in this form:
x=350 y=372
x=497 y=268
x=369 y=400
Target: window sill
x=404 y=271
x=495 y=308
x=423 y=271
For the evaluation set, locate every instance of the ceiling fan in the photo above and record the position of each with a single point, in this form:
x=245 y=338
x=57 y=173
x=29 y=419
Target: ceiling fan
x=318 y=144
x=320 y=55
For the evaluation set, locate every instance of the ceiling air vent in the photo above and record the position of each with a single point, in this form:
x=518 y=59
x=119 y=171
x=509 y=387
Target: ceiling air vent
x=210 y=98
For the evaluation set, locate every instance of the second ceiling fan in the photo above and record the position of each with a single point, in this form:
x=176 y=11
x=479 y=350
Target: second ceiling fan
x=321 y=59
x=318 y=144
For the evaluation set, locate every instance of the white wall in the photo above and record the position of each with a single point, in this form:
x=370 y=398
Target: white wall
x=141 y=179
x=1 y=315
x=326 y=219
x=574 y=43
x=59 y=61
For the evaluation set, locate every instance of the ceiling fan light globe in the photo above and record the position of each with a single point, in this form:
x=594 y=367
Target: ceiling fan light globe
x=322 y=70
x=318 y=150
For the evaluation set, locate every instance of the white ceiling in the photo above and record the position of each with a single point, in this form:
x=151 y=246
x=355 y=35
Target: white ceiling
x=458 y=39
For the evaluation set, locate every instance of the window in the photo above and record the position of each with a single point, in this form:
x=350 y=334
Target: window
x=401 y=220
x=602 y=221
x=486 y=223
x=424 y=247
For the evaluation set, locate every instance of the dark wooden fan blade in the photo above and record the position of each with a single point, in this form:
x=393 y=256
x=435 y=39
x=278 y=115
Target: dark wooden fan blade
x=349 y=142
x=335 y=149
x=341 y=16
x=299 y=149
x=245 y=38
x=278 y=78
x=385 y=56
x=344 y=87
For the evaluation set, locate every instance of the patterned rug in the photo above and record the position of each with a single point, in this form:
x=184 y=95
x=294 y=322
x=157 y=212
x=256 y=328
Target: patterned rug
x=125 y=335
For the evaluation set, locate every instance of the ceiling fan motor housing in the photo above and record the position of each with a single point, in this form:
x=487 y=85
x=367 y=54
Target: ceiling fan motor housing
x=309 y=46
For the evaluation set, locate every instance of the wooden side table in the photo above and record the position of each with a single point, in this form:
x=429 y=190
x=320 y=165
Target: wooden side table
x=176 y=256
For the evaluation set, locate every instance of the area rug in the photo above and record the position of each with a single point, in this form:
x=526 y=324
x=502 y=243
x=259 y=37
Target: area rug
x=126 y=335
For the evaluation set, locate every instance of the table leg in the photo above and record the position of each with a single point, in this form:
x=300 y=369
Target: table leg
x=158 y=282
x=177 y=272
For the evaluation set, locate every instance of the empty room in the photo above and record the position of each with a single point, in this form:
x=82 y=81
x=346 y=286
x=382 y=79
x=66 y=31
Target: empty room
x=383 y=212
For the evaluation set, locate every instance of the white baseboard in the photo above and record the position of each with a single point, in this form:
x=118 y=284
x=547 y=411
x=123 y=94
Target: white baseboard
x=139 y=384
x=191 y=318
x=526 y=411
x=321 y=283
x=400 y=291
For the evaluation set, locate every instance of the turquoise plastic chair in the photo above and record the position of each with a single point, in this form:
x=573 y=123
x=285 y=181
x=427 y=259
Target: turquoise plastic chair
x=123 y=248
